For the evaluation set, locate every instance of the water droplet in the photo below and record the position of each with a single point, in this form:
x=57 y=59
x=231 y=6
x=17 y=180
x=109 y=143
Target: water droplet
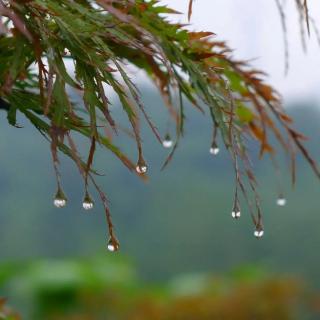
x=67 y=52
x=214 y=150
x=113 y=244
x=60 y=199
x=258 y=233
x=236 y=214
x=167 y=142
x=60 y=203
x=111 y=247
x=281 y=201
x=141 y=167
x=87 y=203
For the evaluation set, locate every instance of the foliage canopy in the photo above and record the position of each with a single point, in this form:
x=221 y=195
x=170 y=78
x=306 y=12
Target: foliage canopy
x=100 y=38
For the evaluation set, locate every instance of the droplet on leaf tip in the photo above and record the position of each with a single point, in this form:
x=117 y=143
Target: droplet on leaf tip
x=167 y=142
x=236 y=214
x=87 y=203
x=60 y=199
x=281 y=201
x=111 y=247
x=67 y=52
x=259 y=233
x=113 y=244
x=214 y=150
x=141 y=167
x=60 y=203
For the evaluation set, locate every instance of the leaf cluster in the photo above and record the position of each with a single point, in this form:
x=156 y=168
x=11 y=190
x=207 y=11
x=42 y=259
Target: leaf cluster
x=100 y=38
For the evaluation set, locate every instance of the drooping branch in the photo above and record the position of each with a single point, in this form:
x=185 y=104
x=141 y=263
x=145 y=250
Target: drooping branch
x=100 y=37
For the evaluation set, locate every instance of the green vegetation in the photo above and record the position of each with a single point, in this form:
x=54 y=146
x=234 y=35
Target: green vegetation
x=177 y=228
x=99 y=38
x=106 y=288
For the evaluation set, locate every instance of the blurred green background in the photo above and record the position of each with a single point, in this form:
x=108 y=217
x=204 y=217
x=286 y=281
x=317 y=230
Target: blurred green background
x=182 y=255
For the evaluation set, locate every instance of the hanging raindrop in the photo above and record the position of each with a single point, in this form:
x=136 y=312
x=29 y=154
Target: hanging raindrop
x=87 y=203
x=141 y=167
x=60 y=200
x=113 y=244
x=236 y=214
x=258 y=233
x=167 y=142
x=214 y=150
x=67 y=52
x=281 y=201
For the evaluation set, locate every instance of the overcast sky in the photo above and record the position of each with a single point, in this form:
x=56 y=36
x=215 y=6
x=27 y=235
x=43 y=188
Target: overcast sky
x=253 y=28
